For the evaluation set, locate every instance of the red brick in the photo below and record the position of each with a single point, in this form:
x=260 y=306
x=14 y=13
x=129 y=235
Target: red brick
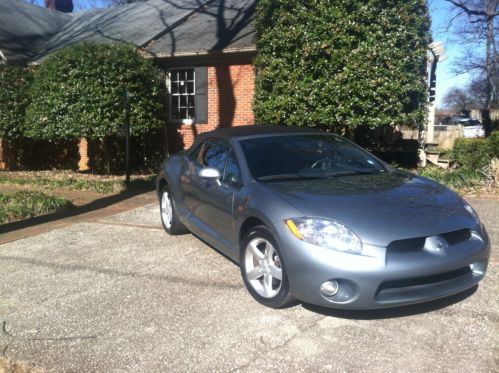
x=230 y=100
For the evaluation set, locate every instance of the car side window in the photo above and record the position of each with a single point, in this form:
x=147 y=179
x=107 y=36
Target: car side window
x=232 y=175
x=194 y=156
x=214 y=154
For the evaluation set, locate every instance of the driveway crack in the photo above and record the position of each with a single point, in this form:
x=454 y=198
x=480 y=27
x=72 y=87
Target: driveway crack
x=70 y=338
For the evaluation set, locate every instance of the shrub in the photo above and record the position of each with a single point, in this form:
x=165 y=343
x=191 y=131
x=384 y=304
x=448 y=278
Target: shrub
x=341 y=64
x=471 y=153
x=493 y=141
x=15 y=84
x=476 y=153
x=78 y=92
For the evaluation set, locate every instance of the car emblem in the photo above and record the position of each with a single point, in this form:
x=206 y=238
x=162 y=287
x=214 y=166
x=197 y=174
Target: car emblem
x=436 y=245
x=442 y=243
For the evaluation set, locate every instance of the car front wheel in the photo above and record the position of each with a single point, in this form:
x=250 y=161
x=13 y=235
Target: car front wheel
x=263 y=270
x=169 y=218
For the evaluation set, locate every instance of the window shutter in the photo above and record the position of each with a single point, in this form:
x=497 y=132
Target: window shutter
x=201 y=98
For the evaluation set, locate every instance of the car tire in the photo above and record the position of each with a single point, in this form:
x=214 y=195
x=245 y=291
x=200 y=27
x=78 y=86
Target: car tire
x=169 y=217
x=261 y=266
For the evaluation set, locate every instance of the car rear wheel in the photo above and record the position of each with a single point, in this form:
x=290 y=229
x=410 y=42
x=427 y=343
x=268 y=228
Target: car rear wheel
x=169 y=218
x=262 y=269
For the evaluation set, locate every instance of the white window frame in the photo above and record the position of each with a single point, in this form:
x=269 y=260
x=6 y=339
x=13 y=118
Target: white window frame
x=170 y=94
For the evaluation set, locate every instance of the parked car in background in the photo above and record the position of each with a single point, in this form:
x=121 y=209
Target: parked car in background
x=311 y=216
x=472 y=128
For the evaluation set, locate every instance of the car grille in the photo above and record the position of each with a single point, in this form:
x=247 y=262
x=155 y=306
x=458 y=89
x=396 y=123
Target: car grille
x=456 y=237
x=424 y=280
x=416 y=244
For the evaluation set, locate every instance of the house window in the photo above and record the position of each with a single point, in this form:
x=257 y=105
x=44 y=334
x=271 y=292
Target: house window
x=183 y=92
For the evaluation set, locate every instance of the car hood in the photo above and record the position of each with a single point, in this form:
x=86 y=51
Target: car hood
x=380 y=208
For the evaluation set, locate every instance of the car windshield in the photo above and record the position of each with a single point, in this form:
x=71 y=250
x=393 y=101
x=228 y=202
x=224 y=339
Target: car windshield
x=471 y=123
x=306 y=156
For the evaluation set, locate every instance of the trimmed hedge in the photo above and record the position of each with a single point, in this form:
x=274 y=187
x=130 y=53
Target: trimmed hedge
x=78 y=92
x=341 y=64
x=15 y=83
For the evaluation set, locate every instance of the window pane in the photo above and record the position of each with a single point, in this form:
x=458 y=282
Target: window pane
x=232 y=176
x=214 y=154
x=175 y=100
x=182 y=87
x=183 y=101
x=174 y=87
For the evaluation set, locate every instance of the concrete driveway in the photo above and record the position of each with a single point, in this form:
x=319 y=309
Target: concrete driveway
x=118 y=294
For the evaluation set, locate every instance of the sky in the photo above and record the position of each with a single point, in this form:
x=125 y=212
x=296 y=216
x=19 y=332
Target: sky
x=440 y=12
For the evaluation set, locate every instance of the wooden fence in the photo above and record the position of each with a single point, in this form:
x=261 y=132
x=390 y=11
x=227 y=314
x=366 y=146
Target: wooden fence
x=443 y=135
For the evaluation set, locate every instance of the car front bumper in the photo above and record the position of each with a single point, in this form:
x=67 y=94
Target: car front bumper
x=384 y=279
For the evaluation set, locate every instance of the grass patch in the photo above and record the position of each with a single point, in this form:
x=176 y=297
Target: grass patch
x=457 y=179
x=74 y=181
x=22 y=205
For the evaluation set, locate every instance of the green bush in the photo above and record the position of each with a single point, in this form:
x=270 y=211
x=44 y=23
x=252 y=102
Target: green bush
x=493 y=141
x=341 y=64
x=475 y=154
x=15 y=84
x=78 y=92
x=471 y=153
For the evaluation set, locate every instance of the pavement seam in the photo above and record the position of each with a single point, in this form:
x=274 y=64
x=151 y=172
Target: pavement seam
x=120 y=224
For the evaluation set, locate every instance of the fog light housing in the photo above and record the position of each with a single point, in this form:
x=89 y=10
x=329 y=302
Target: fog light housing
x=479 y=268
x=329 y=288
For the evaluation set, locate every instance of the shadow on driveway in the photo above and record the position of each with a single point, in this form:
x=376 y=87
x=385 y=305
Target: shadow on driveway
x=389 y=313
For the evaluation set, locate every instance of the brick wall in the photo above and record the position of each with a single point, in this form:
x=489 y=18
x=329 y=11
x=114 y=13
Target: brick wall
x=230 y=102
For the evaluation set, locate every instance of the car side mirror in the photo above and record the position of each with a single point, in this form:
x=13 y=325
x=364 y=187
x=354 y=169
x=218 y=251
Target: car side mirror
x=209 y=173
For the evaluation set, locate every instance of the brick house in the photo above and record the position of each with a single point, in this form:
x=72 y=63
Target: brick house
x=205 y=47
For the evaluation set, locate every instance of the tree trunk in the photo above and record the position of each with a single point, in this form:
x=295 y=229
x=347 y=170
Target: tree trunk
x=490 y=67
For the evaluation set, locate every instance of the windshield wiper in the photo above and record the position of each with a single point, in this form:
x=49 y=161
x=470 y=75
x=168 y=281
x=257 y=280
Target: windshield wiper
x=307 y=176
x=280 y=177
x=352 y=172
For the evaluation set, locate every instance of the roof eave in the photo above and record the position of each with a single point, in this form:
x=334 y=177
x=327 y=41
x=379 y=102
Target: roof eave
x=251 y=49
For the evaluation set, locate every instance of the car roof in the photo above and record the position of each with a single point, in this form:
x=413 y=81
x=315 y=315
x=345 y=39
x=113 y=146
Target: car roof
x=230 y=133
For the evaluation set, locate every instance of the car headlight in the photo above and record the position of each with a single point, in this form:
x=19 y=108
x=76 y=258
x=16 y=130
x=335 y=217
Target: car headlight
x=325 y=233
x=475 y=216
x=473 y=213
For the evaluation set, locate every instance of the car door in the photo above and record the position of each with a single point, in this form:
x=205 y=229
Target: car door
x=212 y=200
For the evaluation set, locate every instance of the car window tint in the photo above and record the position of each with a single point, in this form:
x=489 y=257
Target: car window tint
x=232 y=174
x=194 y=156
x=214 y=154
x=276 y=155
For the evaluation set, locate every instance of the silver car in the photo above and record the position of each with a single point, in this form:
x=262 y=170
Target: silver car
x=311 y=216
